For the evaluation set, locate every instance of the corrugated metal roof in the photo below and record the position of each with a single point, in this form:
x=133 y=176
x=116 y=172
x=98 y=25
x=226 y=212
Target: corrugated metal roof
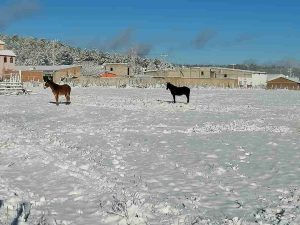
x=45 y=68
x=7 y=53
x=115 y=64
x=238 y=70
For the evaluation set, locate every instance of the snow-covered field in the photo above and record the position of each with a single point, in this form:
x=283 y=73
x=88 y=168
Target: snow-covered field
x=129 y=156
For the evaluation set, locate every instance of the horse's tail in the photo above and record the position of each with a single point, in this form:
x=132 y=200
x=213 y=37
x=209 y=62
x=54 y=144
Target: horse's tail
x=188 y=91
x=188 y=95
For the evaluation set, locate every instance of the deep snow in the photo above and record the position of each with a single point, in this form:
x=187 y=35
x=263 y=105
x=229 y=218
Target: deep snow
x=130 y=156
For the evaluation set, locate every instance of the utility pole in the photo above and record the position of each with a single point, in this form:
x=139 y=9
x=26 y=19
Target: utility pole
x=163 y=59
x=290 y=71
x=133 y=56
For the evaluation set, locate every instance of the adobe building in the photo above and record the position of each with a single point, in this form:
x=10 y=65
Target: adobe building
x=208 y=76
x=57 y=73
x=203 y=72
x=7 y=61
x=119 y=69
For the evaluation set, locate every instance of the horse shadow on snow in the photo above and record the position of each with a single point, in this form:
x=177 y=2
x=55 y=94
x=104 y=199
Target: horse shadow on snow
x=60 y=103
x=170 y=102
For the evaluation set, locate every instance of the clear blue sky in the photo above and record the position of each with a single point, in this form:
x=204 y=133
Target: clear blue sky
x=189 y=31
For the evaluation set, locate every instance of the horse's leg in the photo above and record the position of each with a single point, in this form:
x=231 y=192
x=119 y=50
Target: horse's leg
x=68 y=98
x=188 y=98
x=56 y=99
x=174 y=98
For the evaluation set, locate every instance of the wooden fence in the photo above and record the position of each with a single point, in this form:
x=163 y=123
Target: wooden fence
x=13 y=84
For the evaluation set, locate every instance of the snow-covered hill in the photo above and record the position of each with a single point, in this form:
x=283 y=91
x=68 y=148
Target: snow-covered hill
x=34 y=51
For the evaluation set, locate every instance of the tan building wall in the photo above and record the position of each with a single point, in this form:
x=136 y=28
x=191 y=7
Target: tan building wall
x=152 y=82
x=214 y=82
x=38 y=75
x=67 y=73
x=28 y=76
x=120 y=69
x=202 y=72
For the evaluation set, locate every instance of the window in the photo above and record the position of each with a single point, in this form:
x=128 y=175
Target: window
x=128 y=71
x=5 y=59
x=225 y=75
x=111 y=69
x=11 y=60
x=202 y=73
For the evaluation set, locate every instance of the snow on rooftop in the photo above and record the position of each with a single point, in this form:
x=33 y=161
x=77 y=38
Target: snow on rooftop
x=46 y=68
x=248 y=71
x=7 y=53
x=213 y=68
x=115 y=64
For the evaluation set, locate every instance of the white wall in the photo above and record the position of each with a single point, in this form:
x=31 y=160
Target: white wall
x=259 y=80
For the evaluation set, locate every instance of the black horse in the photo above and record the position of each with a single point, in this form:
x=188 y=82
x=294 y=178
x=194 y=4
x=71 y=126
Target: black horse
x=179 y=91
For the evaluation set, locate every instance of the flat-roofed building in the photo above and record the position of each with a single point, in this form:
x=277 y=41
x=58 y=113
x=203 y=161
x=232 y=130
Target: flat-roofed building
x=56 y=73
x=204 y=72
x=120 y=69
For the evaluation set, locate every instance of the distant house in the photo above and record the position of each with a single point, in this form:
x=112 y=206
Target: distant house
x=260 y=80
x=283 y=83
x=7 y=61
x=120 y=69
x=56 y=73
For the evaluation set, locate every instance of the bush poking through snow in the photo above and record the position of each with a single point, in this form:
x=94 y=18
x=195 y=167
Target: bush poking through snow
x=125 y=208
x=284 y=212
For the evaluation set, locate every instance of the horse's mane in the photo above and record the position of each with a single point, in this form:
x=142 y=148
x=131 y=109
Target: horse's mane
x=169 y=84
x=52 y=83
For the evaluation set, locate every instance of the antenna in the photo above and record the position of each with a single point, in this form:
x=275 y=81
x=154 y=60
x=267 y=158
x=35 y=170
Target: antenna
x=53 y=51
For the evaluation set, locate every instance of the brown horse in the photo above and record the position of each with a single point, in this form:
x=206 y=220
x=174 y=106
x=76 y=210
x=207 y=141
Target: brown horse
x=58 y=90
